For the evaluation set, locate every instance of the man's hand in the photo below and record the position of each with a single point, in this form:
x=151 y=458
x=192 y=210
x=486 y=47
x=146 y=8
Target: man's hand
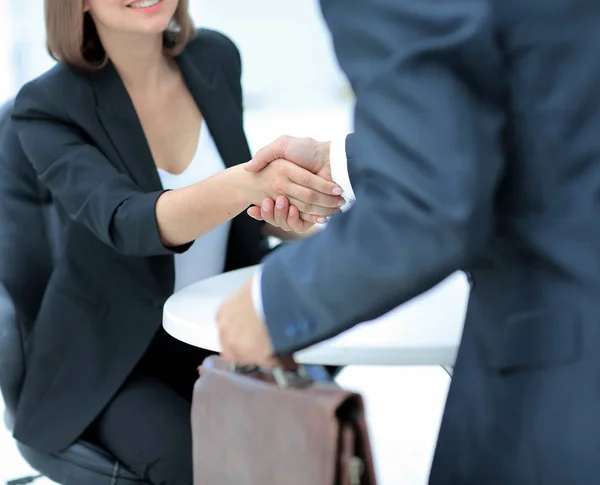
x=307 y=153
x=243 y=334
x=304 y=152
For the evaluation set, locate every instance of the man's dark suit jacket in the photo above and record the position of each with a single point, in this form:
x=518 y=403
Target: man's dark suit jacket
x=104 y=300
x=476 y=147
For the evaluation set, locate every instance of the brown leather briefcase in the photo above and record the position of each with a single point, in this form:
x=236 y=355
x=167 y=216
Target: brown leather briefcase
x=276 y=427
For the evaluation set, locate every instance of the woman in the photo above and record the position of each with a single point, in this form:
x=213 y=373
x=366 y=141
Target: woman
x=139 y=103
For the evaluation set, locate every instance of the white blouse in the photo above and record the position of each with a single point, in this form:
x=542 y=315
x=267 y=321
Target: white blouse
x=206 y=257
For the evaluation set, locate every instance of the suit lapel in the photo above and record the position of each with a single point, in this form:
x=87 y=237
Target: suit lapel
x=121 y=123
x=213 y=96
x=216 y=101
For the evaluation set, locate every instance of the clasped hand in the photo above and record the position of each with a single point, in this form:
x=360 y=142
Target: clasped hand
x=309 y=197
x=243 y=333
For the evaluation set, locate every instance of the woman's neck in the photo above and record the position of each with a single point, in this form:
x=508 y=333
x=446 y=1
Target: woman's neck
x=139 y=60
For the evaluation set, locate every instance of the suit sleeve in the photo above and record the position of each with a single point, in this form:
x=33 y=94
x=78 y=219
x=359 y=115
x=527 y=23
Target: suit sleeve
x=424 y=162
x=80 y=178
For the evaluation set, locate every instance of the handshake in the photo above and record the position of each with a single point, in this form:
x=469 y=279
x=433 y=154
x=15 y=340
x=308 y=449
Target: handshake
x=296 y=182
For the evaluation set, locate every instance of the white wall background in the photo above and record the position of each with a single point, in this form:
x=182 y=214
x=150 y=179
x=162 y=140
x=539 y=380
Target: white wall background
x=6 y=73
x=291 y=80
x=287 y=55
x=286 y=49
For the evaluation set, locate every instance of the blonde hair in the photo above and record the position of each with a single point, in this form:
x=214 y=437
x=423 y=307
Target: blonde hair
x=71 y=35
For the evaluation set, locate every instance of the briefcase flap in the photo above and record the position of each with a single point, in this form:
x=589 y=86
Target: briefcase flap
x=247 y=430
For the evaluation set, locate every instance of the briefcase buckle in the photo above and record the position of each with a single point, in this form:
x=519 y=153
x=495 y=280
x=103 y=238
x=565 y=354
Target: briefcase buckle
x=284 y=379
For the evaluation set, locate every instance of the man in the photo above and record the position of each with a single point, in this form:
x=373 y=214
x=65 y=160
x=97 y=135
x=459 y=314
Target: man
x=476 y=146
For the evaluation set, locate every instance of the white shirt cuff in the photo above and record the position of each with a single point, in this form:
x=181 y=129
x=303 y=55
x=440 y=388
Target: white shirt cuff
x=339 y=173
x=257 y=293
x=339 y=168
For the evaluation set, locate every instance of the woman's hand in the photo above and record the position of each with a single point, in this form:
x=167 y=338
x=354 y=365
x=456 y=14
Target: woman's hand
x=281 y=215
x=310 y=194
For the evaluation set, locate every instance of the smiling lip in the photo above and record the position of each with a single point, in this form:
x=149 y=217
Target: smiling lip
x=151 y=9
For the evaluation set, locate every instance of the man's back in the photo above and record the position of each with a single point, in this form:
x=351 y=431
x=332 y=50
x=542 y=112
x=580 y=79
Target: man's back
x=523 y=407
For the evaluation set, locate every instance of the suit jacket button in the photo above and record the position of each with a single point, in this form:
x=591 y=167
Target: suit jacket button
x=291 y=331
x=303 y=326
x=307 y=326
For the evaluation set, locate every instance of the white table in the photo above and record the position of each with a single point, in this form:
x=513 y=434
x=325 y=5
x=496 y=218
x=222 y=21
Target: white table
x=424 y=331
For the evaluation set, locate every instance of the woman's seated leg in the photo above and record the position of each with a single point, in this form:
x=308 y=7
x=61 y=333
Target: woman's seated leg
x=146 y=427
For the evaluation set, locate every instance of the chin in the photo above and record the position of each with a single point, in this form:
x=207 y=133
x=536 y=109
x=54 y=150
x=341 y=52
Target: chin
x=157 y=26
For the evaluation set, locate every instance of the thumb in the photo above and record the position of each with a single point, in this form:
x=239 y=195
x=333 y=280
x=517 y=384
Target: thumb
x=256 y=164
x=264 y=156
x=255 y=213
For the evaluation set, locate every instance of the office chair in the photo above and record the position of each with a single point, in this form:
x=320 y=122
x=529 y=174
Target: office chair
x=29 y=237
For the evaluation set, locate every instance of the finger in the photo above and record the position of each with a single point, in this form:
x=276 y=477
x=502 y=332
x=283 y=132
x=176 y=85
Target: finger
x=314 y=209
x=255 y=213
x=228 y=354
x=312 y=218
x=312 y=197
x=311 y=181
x=226 y=350
x=229 y=350
x=273 y=151
x=298 y=225
x=282 y=207
x=267 y=212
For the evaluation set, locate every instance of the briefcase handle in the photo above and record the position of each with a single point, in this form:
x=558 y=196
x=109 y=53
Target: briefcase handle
x=287 y=374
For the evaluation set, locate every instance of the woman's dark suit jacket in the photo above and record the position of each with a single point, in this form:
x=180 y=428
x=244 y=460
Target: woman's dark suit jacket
x=104 y=300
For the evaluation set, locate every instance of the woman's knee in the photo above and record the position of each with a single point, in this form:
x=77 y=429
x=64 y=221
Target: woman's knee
x=147 y=428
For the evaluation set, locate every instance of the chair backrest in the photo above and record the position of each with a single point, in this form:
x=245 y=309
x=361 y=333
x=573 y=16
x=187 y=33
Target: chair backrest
x=28 y=231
